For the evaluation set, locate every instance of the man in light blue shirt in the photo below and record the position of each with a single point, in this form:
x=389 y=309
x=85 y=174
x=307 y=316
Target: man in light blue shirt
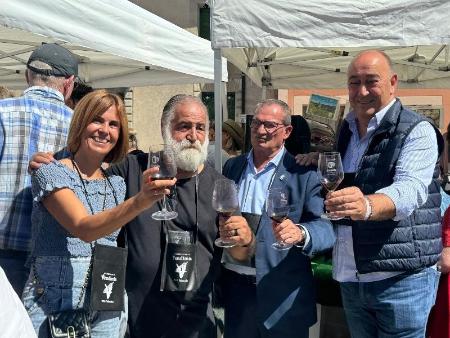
x=270 y=293
x=390 y=241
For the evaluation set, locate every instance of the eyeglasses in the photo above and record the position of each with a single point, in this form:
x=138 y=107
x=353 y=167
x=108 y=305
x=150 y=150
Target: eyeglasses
x=269 y=126
x=78 y=82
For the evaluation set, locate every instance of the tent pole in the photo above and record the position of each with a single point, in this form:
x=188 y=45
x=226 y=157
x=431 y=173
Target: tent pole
x=218 y=109
x=224 y=101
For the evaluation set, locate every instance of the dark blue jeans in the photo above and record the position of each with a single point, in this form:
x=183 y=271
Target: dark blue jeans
x=396 y=307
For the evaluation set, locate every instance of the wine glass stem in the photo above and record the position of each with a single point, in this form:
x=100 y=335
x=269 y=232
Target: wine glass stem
x=164 y=208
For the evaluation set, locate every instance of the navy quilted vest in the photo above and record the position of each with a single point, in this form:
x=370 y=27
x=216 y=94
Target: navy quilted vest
x=409 y=244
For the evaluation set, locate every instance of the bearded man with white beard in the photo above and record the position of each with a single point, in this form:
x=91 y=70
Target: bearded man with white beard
x=172 y=313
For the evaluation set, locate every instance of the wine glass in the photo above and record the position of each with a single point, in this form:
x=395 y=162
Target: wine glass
x=277 y=208
x=225 y=202
x=163 y=157
x=331 y=174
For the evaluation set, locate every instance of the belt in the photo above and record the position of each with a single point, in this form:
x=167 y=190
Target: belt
x=240 y=278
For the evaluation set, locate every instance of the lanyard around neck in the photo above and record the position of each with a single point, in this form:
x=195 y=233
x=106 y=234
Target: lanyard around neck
x=107 y=182
x=195 y=230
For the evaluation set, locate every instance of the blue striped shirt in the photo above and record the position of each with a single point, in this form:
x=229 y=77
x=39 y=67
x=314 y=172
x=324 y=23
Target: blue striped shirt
x=37 y=121
x=413 y=174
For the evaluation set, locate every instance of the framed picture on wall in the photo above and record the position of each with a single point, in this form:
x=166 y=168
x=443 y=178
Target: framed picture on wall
x=434 y=113
x=325 y=110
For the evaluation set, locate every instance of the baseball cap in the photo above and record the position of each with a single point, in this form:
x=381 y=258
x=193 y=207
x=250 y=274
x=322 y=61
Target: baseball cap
x=62 y=61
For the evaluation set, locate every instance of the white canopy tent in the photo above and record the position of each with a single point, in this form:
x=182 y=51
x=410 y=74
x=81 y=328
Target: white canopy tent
x=295 y=43
x=119 y=43
x=304 y=44
x=417 y=66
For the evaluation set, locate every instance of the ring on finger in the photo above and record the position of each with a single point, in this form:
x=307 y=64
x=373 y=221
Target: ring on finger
x=235 y=232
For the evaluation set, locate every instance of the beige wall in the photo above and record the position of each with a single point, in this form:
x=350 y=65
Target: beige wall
x=148 y=103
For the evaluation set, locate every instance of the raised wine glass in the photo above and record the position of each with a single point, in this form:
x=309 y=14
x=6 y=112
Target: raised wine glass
x=163 y=156
x=277 y=208
x=331 y=174
x=225 y=202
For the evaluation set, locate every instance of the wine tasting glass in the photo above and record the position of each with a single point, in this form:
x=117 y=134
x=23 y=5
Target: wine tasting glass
x=331 y=174
x=277 y=208
x=225 y=202
x=163 y=156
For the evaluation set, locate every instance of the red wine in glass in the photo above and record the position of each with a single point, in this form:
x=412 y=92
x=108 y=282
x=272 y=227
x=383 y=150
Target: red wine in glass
x=277 y=208
x=330 y=183
x=278 y=216
x=163 y=157
x=226 y=212
x=225 y=201
x=156 y=178
x=331 y=174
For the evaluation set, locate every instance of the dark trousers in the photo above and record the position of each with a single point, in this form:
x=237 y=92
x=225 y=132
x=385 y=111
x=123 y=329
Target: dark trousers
x=241 y=310
x=160 y=316
x=239 y=294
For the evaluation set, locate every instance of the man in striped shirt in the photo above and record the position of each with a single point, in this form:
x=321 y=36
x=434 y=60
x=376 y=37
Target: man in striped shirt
x=37 y=121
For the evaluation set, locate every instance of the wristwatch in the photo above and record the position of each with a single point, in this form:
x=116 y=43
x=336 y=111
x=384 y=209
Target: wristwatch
x=301 y=244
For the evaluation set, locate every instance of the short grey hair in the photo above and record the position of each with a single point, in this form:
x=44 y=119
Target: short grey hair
x=169 y=110
x=37 y=79
x=283 y=105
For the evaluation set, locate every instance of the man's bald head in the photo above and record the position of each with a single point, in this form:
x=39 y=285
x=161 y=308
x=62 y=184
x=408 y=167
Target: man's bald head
x=371 y=83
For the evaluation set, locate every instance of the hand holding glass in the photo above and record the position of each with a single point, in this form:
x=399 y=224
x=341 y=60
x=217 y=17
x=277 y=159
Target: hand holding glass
x=225 y=202
x=331 y=174
x=163 y=157
x=277 y=207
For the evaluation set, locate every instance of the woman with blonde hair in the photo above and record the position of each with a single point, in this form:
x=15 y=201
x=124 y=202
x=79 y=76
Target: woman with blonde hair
x=78 y=210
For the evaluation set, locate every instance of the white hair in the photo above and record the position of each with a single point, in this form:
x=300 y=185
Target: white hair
x=37 y=79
